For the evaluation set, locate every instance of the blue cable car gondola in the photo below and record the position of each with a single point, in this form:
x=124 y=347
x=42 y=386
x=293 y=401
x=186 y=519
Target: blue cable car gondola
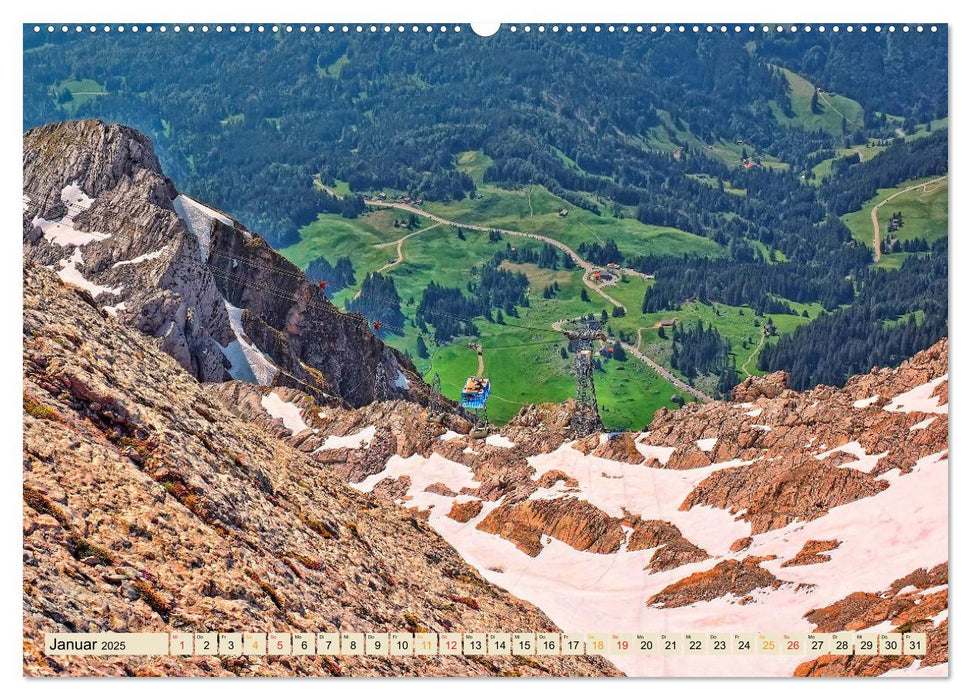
x=475 y=393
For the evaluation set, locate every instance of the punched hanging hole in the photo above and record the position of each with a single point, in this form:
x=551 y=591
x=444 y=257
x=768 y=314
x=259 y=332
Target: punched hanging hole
x=485 y=28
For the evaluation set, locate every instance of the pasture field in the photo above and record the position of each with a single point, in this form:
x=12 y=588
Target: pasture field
x=831 y=108
x=924 y=213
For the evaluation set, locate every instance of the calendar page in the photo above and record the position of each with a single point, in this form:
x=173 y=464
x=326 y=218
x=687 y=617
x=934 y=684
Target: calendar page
x=531 y=349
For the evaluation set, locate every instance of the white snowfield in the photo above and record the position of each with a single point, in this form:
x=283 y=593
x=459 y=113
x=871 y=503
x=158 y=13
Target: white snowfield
x=423 y=473
x=356 y=441
x=69 y=273
x=497 y=440
x=248 y=363
x=61 y=231
x=113 y=310
x=142 y=258
x=920 y=399
x=402 y=381
x=903 y=528
x=658 y=452
x=198 y=218
x=923 y=424
x=289 y=413
x=864 y=462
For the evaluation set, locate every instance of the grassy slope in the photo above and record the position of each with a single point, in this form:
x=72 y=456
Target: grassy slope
x=828 y=117
x=82 y=91
x=669 y=137
x=824 y=168
x=925 y=214
x=535 y=210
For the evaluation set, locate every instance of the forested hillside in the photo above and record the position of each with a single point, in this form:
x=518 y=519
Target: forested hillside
x=718 y=169
x=578 y=114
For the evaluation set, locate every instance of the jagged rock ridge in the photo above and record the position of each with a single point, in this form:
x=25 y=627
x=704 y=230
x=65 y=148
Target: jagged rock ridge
x=100 y=212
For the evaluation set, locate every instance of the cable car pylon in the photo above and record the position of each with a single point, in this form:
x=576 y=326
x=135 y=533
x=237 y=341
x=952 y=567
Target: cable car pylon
x=586 y=416
x=435 y=413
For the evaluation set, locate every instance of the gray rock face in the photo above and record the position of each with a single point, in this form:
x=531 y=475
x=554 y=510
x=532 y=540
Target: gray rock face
x=99 y=211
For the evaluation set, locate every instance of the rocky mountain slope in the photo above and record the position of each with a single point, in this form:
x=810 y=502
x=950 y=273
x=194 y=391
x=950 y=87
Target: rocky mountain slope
x=149 y=506
x=99 y=211
x=195 y=412
x=778 y=511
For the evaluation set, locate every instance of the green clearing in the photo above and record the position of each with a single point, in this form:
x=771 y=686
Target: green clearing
x=474 y=163
x=82 y=91
x=671 y=137
x=522 y=359
x=924 y=214
x=739 y=324
x=335 y=68
x=369 y=240
x=712 y=182
x=824 y=168
x=831 y=109
x=922 y=131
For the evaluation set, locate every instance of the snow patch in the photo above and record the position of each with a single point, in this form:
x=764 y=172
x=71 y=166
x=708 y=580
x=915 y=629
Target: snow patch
x=356 y=441
x=113 y=310
x=923 y=424
x=652 y=493
x=198 y=218
x=75 y=199
x=499 y=441
x=61 y=231
x=142 y=258
x=402 y=381
x=286 y=411
x=754 y=413
x=449 y=434
x=904 y=527
x=424 y=472
x=659 y=452
x=863 y=403
x=69 y=273
x=920 y=399
x=706 y=444
x=864 y=462
x=248 y=363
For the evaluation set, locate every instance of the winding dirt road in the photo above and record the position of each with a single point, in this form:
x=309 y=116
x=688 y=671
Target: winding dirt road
x=876 y=221
x=586 y=266
x=753 y=354
x=679 y=383
x=401 y=242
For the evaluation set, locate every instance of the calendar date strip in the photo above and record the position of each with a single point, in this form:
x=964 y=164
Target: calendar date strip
x=481 y=644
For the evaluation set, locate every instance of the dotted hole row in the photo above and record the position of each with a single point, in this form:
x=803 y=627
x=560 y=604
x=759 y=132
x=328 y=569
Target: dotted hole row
x=414 y=28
